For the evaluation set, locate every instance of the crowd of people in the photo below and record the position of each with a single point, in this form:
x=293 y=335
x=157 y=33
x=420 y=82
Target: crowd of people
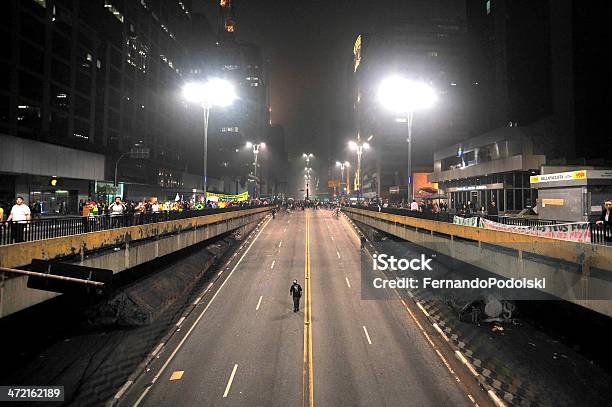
x=120 y=207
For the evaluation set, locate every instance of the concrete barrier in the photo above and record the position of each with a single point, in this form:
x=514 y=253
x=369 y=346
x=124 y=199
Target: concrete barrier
x=116 y=249
x=586 y=267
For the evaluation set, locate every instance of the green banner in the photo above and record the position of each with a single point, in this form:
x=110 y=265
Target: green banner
x=230 y=198
x=458 y=220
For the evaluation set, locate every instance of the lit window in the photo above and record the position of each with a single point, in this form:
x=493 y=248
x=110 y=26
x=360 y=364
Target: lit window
x=488 y=5
x=112 y=9
x=432 y=53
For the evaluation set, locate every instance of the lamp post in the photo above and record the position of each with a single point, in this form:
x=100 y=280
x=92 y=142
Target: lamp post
x=256 y=147
x=215 y=92
x=342 y=167
x=307 y=157
x=359 y=146
x=404 y=96
x=307 y=178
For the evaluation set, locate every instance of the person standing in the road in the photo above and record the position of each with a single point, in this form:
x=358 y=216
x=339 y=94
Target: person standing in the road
x=296 y=293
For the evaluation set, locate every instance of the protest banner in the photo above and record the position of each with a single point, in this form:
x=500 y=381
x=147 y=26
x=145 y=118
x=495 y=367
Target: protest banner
x=576 y=232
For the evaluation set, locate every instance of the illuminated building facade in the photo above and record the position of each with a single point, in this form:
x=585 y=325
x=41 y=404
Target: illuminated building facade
x=97 y=78
x=428 y=46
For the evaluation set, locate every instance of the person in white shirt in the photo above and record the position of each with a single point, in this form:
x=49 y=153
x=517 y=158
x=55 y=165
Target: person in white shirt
x=414 y=206
x=117 y=209
x=20 y=215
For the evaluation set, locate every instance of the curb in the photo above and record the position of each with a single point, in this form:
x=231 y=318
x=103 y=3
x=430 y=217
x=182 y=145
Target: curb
x=141 y=368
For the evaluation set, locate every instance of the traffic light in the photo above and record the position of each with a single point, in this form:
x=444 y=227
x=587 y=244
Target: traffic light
x=53 y=182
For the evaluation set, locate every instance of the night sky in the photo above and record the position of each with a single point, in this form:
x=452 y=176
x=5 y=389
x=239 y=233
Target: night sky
x=308 y=44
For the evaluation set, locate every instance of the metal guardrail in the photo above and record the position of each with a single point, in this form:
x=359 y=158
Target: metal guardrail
x=41 y=229
x=600 y=234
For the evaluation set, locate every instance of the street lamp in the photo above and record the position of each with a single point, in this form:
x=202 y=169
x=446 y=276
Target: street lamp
x=404 y=96
x=255 y=147
x=307 y=157
x=358 y=146
x=215 y=92
x=342 y=167
x=307 y=176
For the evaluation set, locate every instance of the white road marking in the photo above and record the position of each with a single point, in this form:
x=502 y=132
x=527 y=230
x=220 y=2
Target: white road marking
x=422 y=308
x=182 y=342
x=338 y=253
x=280 y=244
x=347 y=282
x=367 y=335
x=258 y=303
x=123 y=389
x=272 y=266
x=180 y=321
x=231 y=379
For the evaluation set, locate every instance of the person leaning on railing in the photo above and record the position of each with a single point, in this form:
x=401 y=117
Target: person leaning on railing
x=605 y=219
x=20 y=215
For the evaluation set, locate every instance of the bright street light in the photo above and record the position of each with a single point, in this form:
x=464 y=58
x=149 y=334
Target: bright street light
x=215 y=92
x=342 y=167
x=401 y=95
x=256 y=147
x=359 y=146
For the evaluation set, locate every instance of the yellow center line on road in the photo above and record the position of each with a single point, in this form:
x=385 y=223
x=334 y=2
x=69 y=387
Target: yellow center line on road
x=308 y=374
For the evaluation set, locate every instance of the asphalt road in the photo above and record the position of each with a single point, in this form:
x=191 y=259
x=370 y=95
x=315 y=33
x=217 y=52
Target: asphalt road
x=244 y=345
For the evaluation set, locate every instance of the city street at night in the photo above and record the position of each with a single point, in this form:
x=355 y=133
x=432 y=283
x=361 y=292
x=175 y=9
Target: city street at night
x=305 y=203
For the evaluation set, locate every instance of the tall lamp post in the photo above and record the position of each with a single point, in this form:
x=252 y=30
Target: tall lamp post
x=342 y=167
x=215 y=92
x=256 y=147
x=359 y=146
x=307 y=178
x=307 y=157
x=404 y=96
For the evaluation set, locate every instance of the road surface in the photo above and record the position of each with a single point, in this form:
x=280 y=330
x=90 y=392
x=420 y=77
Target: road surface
x=244 y=346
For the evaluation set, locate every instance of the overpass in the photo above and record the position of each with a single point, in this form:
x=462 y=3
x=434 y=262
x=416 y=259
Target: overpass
x=577 y=272
x=115 y=248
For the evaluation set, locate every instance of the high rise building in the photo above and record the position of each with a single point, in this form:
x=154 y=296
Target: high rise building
x=539 y=65
x=247 y=119
x=429 y=46
x=89 y=81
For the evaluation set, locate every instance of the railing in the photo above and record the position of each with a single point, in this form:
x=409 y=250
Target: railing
x=47 y=228
x=600 y=234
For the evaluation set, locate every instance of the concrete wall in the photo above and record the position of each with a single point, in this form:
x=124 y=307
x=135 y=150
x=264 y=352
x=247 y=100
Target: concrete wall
x=586 y=268
x=137 y=245
x=23 y=156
